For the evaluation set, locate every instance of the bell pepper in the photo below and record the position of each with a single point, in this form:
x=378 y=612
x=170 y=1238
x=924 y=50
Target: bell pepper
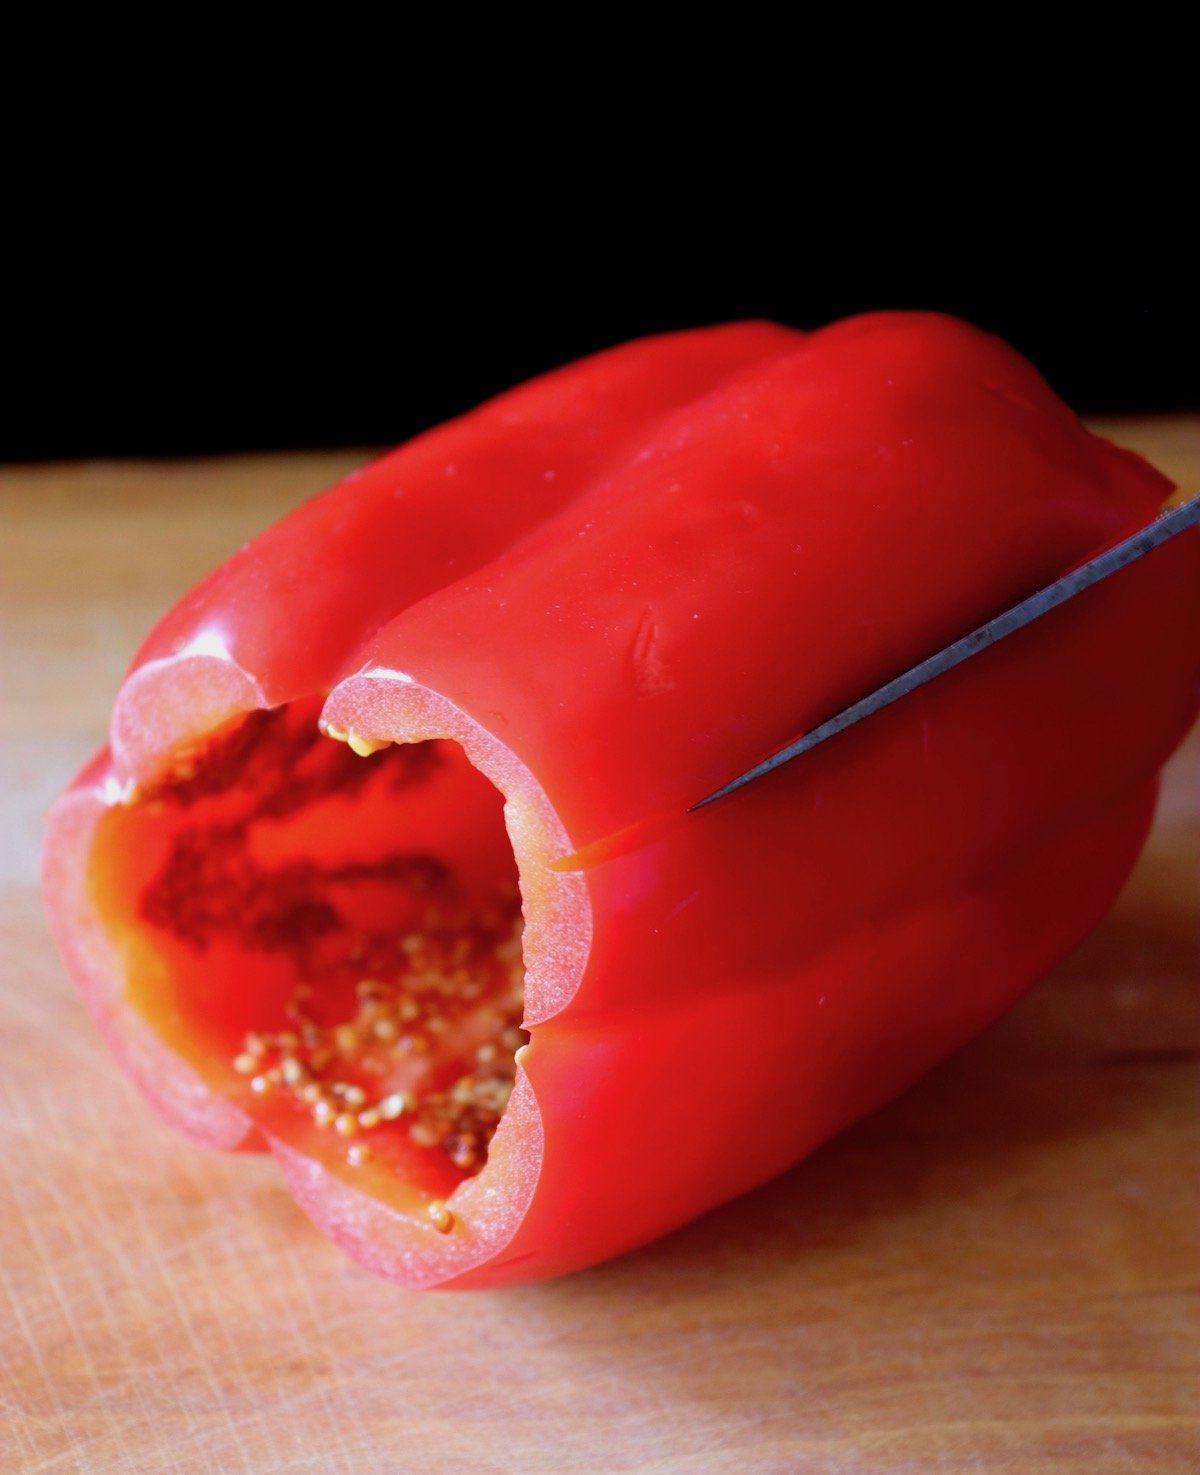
x=477 y=686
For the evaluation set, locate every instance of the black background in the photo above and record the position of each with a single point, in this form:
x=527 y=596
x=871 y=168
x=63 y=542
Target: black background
x=185 y=322
x=339 y=234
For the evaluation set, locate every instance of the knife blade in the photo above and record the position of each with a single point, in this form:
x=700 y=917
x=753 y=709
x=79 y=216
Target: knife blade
x=1167 y=525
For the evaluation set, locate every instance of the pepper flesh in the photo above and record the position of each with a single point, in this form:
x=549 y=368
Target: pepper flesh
x=615 y=588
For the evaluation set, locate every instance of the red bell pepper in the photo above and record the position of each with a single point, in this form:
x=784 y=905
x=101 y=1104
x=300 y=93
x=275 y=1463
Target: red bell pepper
x=606 y=593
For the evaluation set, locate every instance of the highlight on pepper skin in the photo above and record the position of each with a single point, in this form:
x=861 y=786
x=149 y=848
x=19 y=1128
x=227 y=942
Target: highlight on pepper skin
x=330 y=934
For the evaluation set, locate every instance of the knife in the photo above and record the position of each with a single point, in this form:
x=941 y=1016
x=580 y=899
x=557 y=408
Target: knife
x=1167 y=525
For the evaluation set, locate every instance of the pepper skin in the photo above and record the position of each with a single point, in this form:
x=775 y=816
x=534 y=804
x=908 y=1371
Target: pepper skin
x=615 y=588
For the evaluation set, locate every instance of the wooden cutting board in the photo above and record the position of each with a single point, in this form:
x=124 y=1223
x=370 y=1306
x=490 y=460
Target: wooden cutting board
x=995 y=1273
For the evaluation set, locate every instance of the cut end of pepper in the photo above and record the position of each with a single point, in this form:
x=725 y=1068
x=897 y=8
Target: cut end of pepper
x=333 y=944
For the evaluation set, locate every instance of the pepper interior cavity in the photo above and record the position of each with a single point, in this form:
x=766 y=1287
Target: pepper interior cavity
x=333 y=940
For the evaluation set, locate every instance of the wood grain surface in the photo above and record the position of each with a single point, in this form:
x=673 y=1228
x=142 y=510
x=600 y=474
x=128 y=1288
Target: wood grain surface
x=995 y=1273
